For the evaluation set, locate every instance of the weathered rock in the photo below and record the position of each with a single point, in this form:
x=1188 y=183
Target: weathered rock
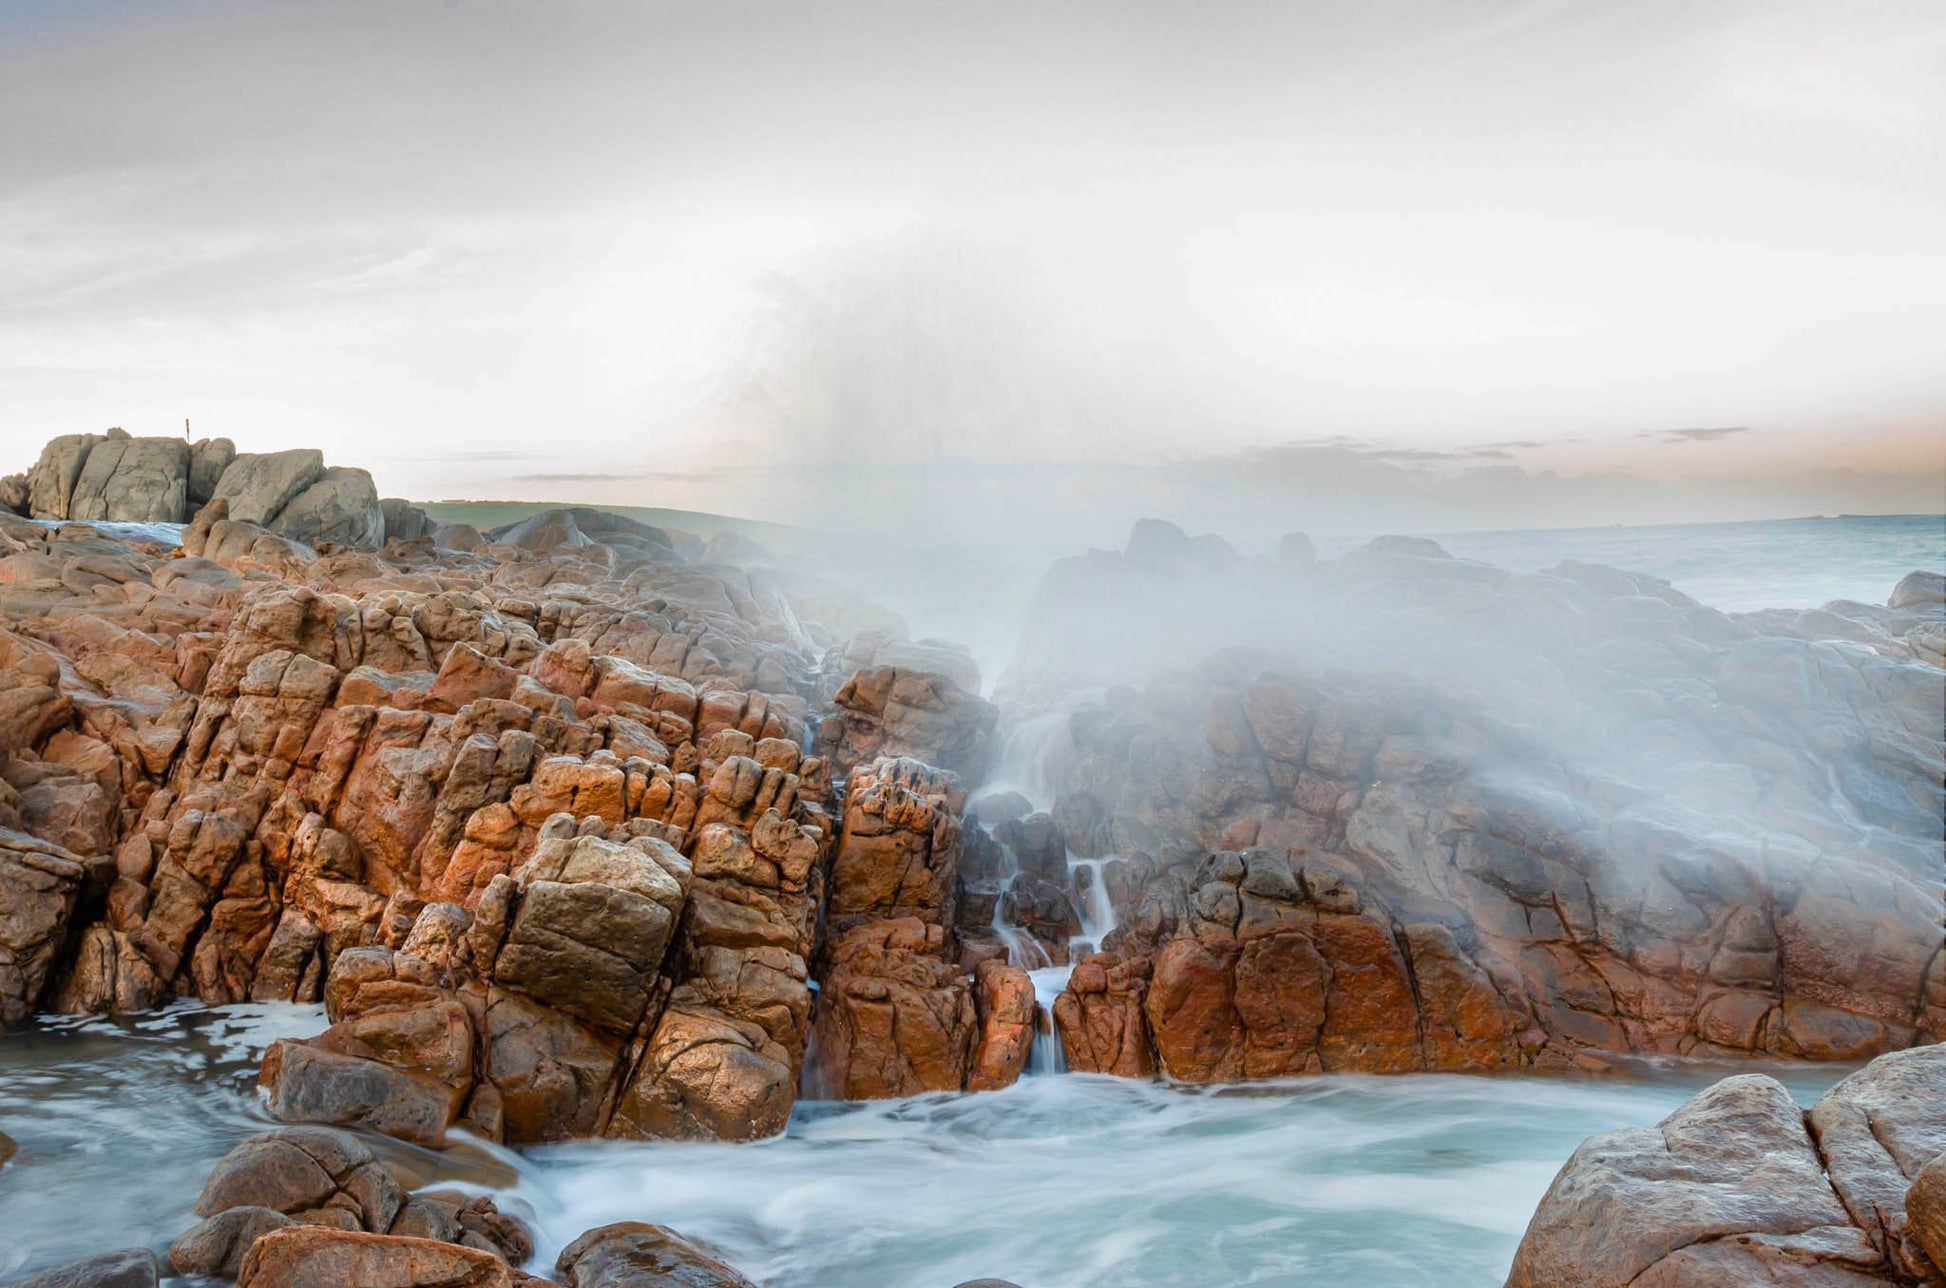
x=1003 y=997
x=554 y=1075
x=893 y=712
x=38 y=887
x=1918 y=590
x=708 y=1076
x=1733 y=1188
x=1101 y=1019
x=894 y=1017
x=217 y=1245
x=898 y=853
x=32 y=704
x=137 y=480
x=312 y=1257
x=1876 y=1131
x=131 y=1268
x=474 y=1220
x=404 y=521
x=632 y=1254
x=591 y=928
x=1925 y=1210
x=208 y=458
x=307 y=1084
x=341 y=507
x=302 y=1172
x=258 y=485
x=50 y=484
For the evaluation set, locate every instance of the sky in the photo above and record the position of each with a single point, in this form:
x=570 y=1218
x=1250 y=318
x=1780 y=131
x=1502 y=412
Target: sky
x=966 y=270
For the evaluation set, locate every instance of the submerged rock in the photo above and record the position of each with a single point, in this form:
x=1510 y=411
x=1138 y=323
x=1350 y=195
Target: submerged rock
x=131 y=1268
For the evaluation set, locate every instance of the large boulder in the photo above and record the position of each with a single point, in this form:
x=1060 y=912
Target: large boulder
x=217 y=1245
x=341 y=508
x=633 y=1254
x=208 y=458
x=305 y=1082
x=1919 y=590
x=1734 y=1187
x=308 y=1173
x=404 y=521
x=1876 y=1132
x=258 y=485
x=136 y=480
x=50 y=484
x=1100 y=1017
x=316 y=1257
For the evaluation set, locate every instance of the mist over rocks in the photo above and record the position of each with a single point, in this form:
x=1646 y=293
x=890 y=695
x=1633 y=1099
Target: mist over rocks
x=1398 y=810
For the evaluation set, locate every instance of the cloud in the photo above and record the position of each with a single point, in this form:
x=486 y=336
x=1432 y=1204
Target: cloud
x=1711 y=435
x=476 y=456
x=725 y=474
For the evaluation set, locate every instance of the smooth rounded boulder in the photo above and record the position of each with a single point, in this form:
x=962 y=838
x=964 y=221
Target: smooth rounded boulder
x=634 y=1254
x=1739 y=1185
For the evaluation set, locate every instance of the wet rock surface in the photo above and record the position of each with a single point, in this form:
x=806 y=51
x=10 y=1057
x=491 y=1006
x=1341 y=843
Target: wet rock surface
x=131 y=1268
x=1742 y=1186
x=632 y=1254
x=311 y=1257
x=309 y=1185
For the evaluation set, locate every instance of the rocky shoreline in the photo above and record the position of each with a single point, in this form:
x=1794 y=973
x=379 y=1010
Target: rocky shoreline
x=585 y=828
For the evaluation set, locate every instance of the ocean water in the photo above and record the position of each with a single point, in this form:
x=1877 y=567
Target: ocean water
x=1061 y=1181
x=1738 y=567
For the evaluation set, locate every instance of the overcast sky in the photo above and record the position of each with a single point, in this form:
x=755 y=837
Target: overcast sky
x=1431 y=264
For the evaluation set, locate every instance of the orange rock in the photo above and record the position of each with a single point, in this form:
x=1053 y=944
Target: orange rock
x=1003 y=998
x=311 y=1257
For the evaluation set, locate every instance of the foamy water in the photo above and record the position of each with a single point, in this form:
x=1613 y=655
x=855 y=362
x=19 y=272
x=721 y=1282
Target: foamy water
x=1058 y=1182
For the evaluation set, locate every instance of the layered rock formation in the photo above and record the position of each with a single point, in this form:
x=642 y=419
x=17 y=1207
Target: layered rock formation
x=1741 y=1186
x=535 y=822
x=1593 y=816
